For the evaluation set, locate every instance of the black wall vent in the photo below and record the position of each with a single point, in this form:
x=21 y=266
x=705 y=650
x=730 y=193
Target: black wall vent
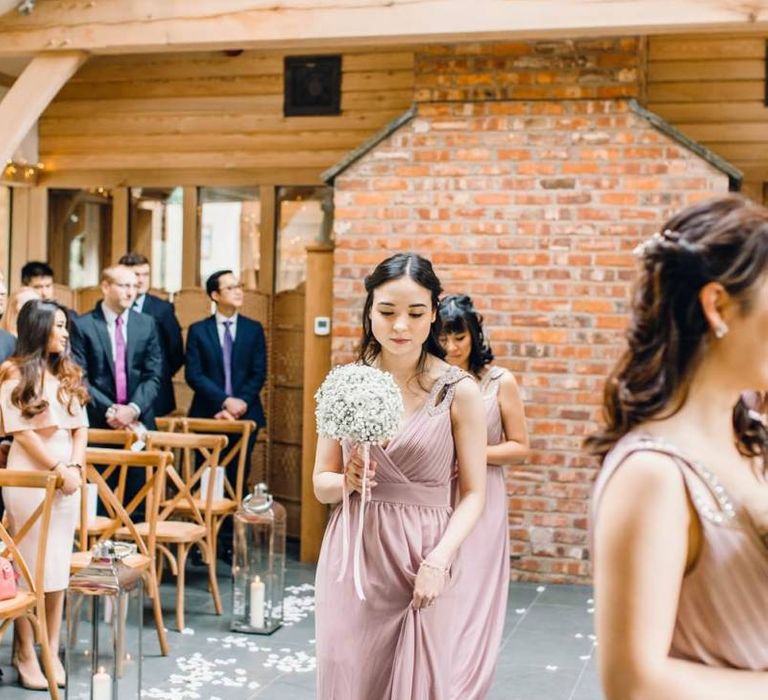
x=312 y=86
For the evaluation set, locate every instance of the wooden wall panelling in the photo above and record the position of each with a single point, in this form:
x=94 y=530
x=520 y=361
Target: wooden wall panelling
x=29 y=229
x=209 y=111
x=712 y=88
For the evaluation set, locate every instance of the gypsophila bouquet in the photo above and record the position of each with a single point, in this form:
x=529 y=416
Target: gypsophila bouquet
x=359 y=403
x=363 y=404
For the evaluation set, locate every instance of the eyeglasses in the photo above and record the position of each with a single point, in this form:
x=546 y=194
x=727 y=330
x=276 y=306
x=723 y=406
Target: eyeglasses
x=231 y=287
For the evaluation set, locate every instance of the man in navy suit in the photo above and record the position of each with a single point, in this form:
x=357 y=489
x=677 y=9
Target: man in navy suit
x=120 y=354
x=226 y=365
x=168 y=328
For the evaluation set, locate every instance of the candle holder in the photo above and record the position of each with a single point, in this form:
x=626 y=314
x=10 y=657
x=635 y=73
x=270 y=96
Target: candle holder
x=104 y=626
x=258 y=564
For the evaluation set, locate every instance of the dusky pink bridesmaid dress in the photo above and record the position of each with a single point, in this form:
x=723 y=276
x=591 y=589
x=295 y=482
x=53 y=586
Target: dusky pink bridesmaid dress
x=482 y=584
x=722 y=612
x=381 y=648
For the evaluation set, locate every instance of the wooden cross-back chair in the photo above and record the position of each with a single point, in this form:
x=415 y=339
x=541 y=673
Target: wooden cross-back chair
x=100 y=437
x=239 y=433
x=30 y=603
x=102 y=462
x=185 y=519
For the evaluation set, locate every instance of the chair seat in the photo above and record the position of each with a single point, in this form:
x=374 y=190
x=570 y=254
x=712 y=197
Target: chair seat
x=175 y=531
x=20 y=602
x=222 y=507
x=82 y=559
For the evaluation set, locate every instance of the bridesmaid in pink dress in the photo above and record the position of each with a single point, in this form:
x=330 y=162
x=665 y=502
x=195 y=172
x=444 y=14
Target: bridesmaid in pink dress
x=680 y=567
x=398 y=643
x=42 y=399
x=484 y=556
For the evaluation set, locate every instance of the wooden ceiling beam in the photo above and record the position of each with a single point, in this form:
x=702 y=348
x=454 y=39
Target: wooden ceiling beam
x=144 y=26
x=30 y=94
x=6 y=80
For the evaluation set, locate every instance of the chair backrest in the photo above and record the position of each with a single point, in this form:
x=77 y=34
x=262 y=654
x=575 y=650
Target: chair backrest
x=160 y=293
x=86 y=298
x=106 y=436
x=49 y=482
x=64 y=295
x=192 y=304
x=154 y=463
x=236 y=449
x=196 y=455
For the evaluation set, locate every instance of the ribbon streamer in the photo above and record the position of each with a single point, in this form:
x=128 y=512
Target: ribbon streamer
x=357 y=572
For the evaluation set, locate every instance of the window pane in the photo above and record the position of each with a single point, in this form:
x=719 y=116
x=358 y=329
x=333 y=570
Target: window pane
x=304 y=217
x=156 y=227
x=79 y=231
x=229 y=232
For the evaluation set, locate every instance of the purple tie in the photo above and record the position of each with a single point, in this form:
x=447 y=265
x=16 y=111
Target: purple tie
x=121 y=378
x=227 y=349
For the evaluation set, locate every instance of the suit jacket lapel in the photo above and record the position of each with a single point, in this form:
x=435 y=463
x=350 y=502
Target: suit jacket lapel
x=213 y=336
x=131 y=342
x=100 y=323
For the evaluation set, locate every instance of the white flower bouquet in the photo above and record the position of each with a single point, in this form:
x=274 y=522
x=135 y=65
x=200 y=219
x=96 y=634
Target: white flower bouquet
x=362 y=404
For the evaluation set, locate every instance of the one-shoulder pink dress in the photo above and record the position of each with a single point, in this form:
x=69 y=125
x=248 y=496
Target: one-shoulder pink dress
x=482 y=584
x=54 y=426
x=722 y=614
x=381 y=648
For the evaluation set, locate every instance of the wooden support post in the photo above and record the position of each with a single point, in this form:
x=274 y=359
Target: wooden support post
x=119 y=242
x=268 y=228
x=191 y=237
x=5 y=232
x=31 y=94
x=29 y=230
x=317 y=363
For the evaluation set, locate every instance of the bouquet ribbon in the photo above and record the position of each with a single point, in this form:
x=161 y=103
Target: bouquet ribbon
x=357 y=572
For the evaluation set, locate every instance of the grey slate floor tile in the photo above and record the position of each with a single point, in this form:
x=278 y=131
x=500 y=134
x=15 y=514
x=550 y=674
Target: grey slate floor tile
x=547 y=652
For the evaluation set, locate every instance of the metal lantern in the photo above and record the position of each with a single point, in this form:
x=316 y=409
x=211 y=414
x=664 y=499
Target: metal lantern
x=105 y=604
x=258 y=564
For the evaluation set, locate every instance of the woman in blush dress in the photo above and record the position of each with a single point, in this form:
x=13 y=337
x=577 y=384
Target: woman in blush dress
x=680 y=568
x=483 y=582
x=398 y=643
x=42 y=398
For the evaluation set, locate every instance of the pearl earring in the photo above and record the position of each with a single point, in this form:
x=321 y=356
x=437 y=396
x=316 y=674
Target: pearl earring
x=720 y=330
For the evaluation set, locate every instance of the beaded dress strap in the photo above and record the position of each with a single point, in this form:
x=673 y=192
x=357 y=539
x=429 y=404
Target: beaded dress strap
x=491 y=380
x=723 y=510
x=443 y=390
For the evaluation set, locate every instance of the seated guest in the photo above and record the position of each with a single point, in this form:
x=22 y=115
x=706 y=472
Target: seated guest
x=20 y=297
x=119 y=352
x=226 y=365
x=168 y=328
x=42 y=398
x=39 y=276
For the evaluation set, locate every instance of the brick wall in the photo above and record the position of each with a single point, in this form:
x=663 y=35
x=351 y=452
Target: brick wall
x=533 y=207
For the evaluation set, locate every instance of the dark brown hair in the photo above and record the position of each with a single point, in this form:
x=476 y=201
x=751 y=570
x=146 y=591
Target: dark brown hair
x=31 y=359
x=723 y=240
x=458 y=314
x=420 y=270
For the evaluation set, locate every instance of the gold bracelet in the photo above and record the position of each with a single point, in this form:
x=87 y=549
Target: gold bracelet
x=434 y=567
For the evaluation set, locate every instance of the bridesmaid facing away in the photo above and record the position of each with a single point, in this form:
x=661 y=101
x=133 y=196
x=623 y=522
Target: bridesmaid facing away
x=484 y=556
x=680 y=568
x=399 y=643
x=42 y=398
